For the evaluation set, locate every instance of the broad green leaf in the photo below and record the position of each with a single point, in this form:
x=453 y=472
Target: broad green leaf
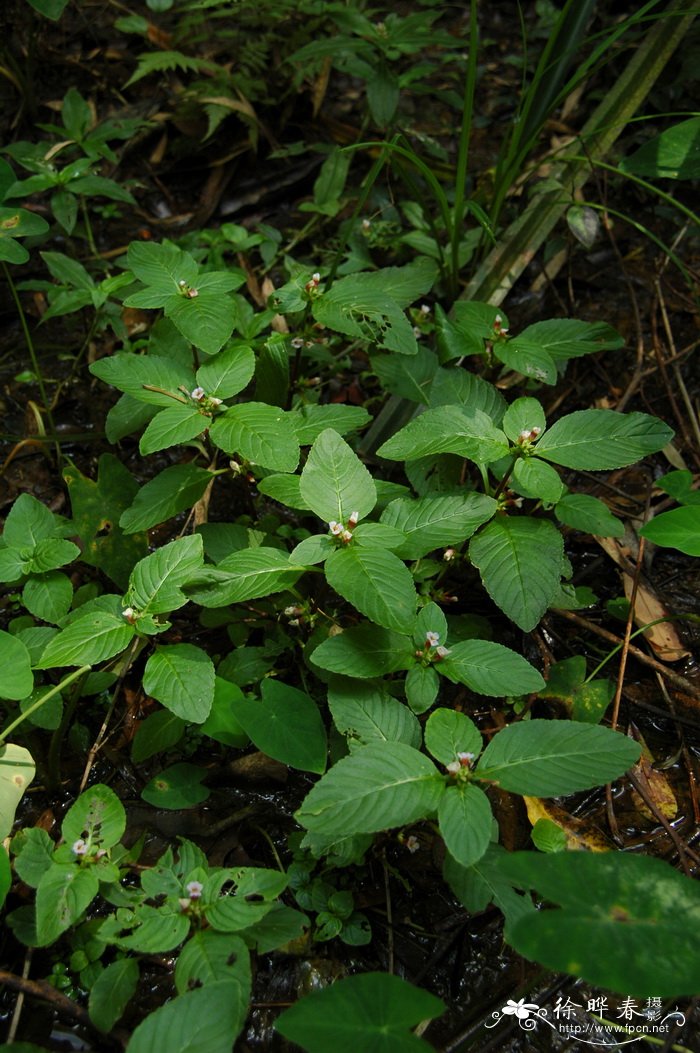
x=111 y=993
x=565 y=338
x=679 y=529
x=674 y=154
x=465 y=820
x=535 y=478
x=527 y=357
x=181 y=677
x=449 y=733
x=16 y=772
x=371 y=1012
x=127 y=416
x=48 y=596
x=548 y=836
x=378 y=787
x=33 y=850
x=221 y=724
x=310 y=421
x=546 y=758
x=209 y=957
x=279 y=927
x=286 y=725
x=364 y=713
x=247 y=575
x=228 y=372
x=483 y=882
x=5 y=876
x=284 y=488
x=28 y=522
x=437 y=522
x=377 y=583
x=626 y=923
x=313 y=550
x=409 y=378
x=256 y=892
x=597 y=439
x=679 y=484
x=431 y=619
x=334 y=483
x=52 y=552
x=261 y=434
x=173 y=426
x=155 y=582
x=159 y=731
x=447 y=429
x=206 y=320
x=583 y=512
x=172 y=491
x=520 y=562
x=459 y=387
x=522 y=416
x=52 y=9
x=137 y=375
x=161 y=266
x=365 y=651
x=97 y=507
x=490 y=669
x=422 y=687
x=150 y=930
x=16 y=664
x=178 y=786
x=208 y=1018
x=97 y=817
x=90 y=639
x=64 y=892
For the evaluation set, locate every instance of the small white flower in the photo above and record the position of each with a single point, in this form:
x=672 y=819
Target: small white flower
x=194 y=889
x=432 y=639
x=213 y=401
x=290 y=612
x=100 y=853
x=197 y=394
x=346 y=535
x=192 y=293
x=128 y=614
x=449 y=554
x=297 y=342
x=424 y=309
x=80 y=847
x=353 y=519
x=454 y=767
x=366 y=224
x=442 y=652
x=412 y=843
x=315 y=278
x=335 y=528
x=465 y=759
x=417 y=332
x=182 y=283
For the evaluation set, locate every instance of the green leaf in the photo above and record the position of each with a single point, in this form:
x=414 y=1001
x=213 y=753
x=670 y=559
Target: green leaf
x=206 y=320
x=364 y=713
x=127 y=416
x=483 y=882
x=5 y=875
x=679 y=529
x=334 y=483
x=131 y=373
x=161 y=266
x=597 y=439
x=178 y=786
x=674 y=154
x=33 y=850
x=364 y=651
x=409 y=378
x=52 y=552
x=247 y=575
x=181 y=677
x=459 y=387
x=490 y=669
x=174 y=490
x=151 y=930
x=545 y=758
x=64 y=892
x=465 y=820
x=256 y=892
x=16 y=664
x=310 y=421
x=679 y=484
x=16 y=772
x=377 y=583
x=313 y=550
x=111 y=993
x=449 y=733
x=52 y=9
x=372 y=1012
x=208 y=1018
x=285 y=489
x=583 y=512
x=221 y=724
x=437 y=522
x=173 y=426
x=548 y=836
x=447 y=429
x=88 y=640
x=97 y=507
x=378 y=787
x=629 y=922
x=97 y=817
x=523 y=415
x=28 y=522
x=210 y=957
x=528 y=358
x=48 y=596
x=155 y=582
x=537 y=479
x=228 y=372
x=565 y=338
x=422 y=686
x=286 y=725
x=261 y=434
x=159 y=731
x=520 y=562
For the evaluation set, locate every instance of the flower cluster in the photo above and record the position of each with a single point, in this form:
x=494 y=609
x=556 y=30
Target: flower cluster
x=344 y=532
x=463 y=762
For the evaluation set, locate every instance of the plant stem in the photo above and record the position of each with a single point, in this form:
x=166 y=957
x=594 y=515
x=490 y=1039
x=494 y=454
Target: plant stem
x=463 y=152
x=44 y=698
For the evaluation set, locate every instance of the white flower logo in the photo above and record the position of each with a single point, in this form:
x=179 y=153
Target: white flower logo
x=521 y=1008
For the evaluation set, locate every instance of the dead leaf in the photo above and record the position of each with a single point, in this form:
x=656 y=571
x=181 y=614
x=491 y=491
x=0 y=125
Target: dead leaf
x=656 y=789
x=279 y=322
x=581 y=835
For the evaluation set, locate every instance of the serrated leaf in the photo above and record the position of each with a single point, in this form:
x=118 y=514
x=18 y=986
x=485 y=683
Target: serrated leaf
x=285 y=489
x=138 y=374
x=630 y=921
x=15 y=661
x=48 y=596
x=422 y=686
x=334 y=483
x=523 y=415
x=546 y=758
x=155 y=582
x=447 y=429
x=209 y=957
x=208 y=1018
x=161 y=266
x=313 y=550
x=365 y=651
x=172 y=491
x=228 y=372
x=448 y=733
x=247 y=575
x=679 y=528
x=372 y=1012
x=459 y=387
x=410 y=378
x=16 y=772
x=583 y=512
x=28 y=522
x=310 y=421
x=364 y=713
x=597 y=439
x=565 y=338
x=52 y=552
x=261 y=434
x=172 y=426
x=528 y=358
x=465 y=820
x=377 y=583
x=520 y=562
x=537 y=479
x=111 y=993
x=97 y=817
x=64 y=892
x=87 y=641
x=181 y=677
x=286 y=725
x=674 y=154
x=206 y=320
x=437 y=522
x=376 y=788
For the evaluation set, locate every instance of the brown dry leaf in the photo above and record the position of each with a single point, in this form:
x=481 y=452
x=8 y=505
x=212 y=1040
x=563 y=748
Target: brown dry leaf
x=279 y=322
x=662 y=638
x=135 y=320
x=159 y=37
x=581 y=835
x=200 y=510
x=657 y=789
x=321 y=84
